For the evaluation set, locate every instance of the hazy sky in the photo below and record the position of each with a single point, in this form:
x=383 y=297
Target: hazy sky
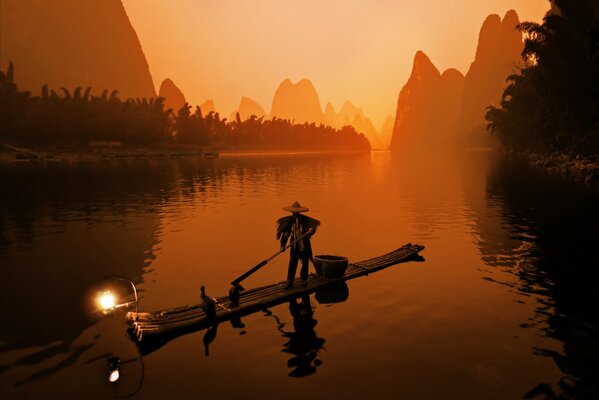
x=360 y=51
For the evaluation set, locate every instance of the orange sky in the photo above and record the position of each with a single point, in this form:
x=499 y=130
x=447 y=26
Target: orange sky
x=353 y=50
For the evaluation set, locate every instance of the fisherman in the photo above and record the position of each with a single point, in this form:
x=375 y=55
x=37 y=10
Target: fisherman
x=291 y=228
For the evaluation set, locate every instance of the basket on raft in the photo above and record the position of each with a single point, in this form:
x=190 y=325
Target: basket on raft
x=329 y=266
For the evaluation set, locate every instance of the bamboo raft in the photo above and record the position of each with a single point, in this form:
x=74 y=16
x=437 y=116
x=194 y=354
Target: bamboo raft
x=151 y=330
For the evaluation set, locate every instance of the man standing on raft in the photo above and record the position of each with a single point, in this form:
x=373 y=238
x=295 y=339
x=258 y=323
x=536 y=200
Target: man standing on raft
x=294 y=226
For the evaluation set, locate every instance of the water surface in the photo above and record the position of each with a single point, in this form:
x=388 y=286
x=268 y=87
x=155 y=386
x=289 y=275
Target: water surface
x=503 y=307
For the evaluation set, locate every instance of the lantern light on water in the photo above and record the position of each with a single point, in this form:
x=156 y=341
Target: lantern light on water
x=113 y=369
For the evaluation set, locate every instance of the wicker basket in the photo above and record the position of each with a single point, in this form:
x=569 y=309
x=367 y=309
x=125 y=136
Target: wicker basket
x=330 y=267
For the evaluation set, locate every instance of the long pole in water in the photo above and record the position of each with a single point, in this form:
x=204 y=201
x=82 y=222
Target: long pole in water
x=237 y=281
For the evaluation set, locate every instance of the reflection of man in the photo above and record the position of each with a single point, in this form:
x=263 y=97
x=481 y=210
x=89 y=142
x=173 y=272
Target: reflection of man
x=292 y=227
x=303 y=343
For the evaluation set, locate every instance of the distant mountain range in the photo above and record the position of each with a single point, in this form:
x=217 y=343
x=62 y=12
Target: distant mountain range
x=435 y=109
x=173 y=96
x=53 y=42
x=349 y=114
x=70 y=43
x=207 y=107
x=247 y=108
x=298 y=102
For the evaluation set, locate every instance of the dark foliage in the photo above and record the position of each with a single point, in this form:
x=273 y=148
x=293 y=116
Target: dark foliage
x=258 y=133
x=553 y=104
x=78 y=117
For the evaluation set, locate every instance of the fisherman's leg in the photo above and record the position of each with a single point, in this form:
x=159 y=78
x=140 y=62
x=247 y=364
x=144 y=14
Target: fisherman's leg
x=305 y=266
x=293 y=260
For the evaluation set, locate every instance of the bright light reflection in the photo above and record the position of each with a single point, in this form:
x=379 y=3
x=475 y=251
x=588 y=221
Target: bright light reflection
x=107 y=301
x=114 y=376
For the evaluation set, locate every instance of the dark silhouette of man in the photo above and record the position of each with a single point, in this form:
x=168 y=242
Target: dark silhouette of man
x=291 y=228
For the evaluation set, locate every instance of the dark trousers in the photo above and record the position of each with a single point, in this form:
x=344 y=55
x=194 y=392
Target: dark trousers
x=294 y=258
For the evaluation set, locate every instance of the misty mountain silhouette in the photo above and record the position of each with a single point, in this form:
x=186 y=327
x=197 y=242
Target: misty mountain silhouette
x=387 y=130
x=497 y=56
x=300 y=102
x=428 y=104
x=173 y=96
x=247 y=108
x=74 y=43
x=349 y=114
x=330 y=114
x=297 y=102
x=434 y=109
x=207 y=107
x=364 y=125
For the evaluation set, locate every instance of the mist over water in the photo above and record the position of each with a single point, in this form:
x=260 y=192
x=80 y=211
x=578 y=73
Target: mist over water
x=503 y=306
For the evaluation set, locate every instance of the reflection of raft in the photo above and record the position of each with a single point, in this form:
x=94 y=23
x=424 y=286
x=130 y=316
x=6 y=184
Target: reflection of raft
x=156 y=328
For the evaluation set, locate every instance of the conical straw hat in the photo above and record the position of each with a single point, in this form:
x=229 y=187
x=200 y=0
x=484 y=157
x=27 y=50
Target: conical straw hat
x=296 y=207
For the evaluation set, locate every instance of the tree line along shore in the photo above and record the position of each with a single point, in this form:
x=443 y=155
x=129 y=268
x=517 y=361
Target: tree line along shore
x=549 y=111
x=79 y=121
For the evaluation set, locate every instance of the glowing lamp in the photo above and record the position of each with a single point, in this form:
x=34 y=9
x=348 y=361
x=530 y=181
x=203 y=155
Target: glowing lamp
x=113 y=369
x=106 y=301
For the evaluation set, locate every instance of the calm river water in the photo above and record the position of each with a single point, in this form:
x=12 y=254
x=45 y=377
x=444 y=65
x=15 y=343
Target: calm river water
x=504 y=305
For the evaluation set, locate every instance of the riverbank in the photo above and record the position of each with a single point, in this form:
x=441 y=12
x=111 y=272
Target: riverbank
x=14 y=154
x=568 y=166
x=10 y=153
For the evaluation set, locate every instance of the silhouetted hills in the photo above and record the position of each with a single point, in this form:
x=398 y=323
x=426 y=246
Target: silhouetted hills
x=173 y=96
x=387 y=130
x=330 y=114
x=450 y=100
x=348 y=113
x=436 y=109
x=428 y=104
x=354 y=116
x=364 y=125
x=70 y=43
x=207 y=107
x=300 y=103
x=297 y=102
x=415 y=101
x=247 y=108
x=497 y=57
